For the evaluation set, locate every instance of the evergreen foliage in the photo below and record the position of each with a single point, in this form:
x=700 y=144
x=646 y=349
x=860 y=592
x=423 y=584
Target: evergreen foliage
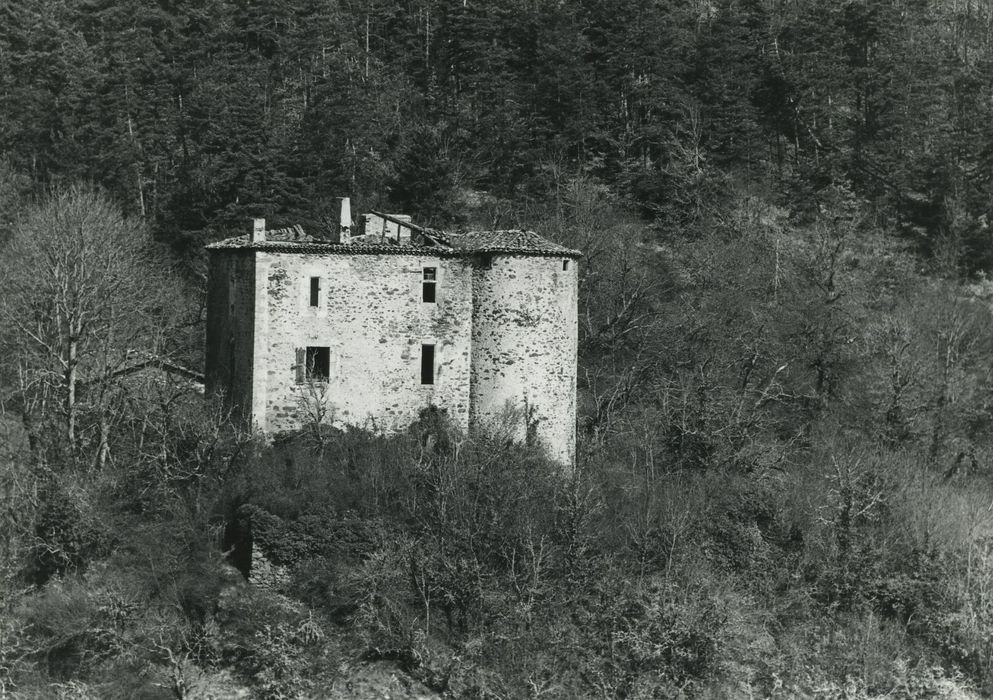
x=783 y=478
x=196 y=116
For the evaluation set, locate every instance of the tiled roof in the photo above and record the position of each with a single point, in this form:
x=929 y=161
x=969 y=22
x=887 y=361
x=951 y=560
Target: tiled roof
x=511 y=242
x=326 y=248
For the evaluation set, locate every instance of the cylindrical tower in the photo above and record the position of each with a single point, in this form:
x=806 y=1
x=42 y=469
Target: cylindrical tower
x=524 y=349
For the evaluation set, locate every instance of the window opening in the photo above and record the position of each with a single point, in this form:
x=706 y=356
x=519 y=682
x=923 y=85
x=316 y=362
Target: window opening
x=427 y=364
x=428 y=286
x=318 y=364
x=565 y=264
x=315 y=291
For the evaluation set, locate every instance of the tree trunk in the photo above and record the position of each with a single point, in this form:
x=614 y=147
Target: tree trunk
x=71 y=393
x=103 y=449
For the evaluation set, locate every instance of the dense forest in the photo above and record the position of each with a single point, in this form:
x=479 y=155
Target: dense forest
x=784 y=483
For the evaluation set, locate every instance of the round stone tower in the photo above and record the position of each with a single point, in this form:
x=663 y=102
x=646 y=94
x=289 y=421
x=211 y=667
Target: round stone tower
x=524 y=341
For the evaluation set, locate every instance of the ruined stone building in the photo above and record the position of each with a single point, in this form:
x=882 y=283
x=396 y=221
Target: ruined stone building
x=369 y=329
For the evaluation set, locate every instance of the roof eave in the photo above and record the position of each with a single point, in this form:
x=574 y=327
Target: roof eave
x=344 y=249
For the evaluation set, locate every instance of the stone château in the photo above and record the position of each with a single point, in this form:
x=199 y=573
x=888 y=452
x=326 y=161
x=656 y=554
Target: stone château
x=367 y=330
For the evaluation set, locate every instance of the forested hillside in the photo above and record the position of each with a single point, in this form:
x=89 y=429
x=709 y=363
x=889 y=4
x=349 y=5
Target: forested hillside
x=784 y=480
x=197 y=115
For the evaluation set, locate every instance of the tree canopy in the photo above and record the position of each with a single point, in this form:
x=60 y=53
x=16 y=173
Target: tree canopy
x=786 y=406
x=196 y=116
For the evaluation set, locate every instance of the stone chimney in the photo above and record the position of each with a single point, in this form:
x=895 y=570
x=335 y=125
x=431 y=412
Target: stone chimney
x=258 y=231
x=345 y=221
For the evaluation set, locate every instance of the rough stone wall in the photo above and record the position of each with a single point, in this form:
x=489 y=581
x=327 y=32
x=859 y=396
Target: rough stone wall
x=265 y=574
x=372 y=317
x=230 y=330
x=524 y=339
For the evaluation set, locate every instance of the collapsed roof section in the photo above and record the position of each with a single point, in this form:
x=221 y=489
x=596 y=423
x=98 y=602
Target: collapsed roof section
x=395 y=234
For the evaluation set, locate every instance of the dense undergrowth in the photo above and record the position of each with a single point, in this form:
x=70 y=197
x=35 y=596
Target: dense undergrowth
x=781 y=490
x=485 y=571
x=783 y=483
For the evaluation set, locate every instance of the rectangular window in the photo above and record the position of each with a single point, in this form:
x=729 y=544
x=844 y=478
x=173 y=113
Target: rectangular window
x=315 y=291
x=565 y=264
x=428 y=284
x=318 y=367
x=427 y=364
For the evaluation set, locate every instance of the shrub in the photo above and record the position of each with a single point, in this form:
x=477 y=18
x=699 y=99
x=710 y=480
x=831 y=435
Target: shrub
x=68 y=535
x=651 y=641
x=273 y=643
x=70 y=627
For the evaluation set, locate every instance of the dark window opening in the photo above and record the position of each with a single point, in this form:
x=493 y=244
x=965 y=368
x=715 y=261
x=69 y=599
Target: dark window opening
x=484 y=261
x=428 y=286
x=318 y=364
x=315 y=291
x=427 y=364
x=565 y=264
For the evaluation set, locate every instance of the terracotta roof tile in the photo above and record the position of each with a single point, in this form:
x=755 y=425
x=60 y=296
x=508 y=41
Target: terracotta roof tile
x=317 y=245
x=508 y=241
x=448 y=244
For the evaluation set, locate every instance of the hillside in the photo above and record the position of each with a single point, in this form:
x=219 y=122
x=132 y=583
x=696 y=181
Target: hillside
x=783 y=482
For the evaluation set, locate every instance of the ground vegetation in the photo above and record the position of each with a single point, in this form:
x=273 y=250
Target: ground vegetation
x=782 y=486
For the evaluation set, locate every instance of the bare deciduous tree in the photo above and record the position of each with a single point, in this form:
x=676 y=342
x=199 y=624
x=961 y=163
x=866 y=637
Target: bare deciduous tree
x=79 y=299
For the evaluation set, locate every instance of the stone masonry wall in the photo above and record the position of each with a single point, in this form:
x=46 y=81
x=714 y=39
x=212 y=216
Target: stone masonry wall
x=230 y=331
x=524 y=357
x=372 y=317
